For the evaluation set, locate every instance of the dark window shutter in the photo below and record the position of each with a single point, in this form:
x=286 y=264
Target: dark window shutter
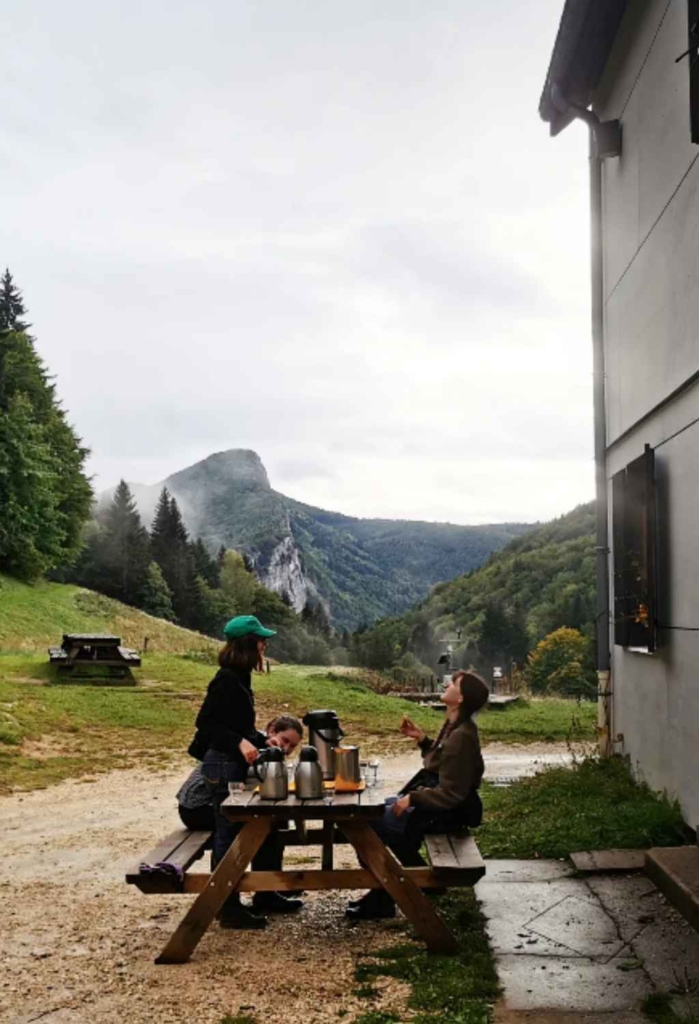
x=693 y=60
x=621 y=632
x=634 y=538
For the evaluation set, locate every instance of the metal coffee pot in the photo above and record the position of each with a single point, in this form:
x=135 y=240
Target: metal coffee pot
x=271 y=771
x=309 y=775
x=324 y=733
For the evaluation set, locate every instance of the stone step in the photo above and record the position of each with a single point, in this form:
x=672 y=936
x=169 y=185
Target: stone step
x=589 y=862
x=675 y=871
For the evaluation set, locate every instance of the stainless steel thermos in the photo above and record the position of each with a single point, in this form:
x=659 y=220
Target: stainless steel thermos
x=308 y=779
x=324 y=733
x=271 y=771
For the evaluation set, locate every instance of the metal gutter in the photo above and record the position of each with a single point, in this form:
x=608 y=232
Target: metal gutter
x=586 y=33
x=605 y=141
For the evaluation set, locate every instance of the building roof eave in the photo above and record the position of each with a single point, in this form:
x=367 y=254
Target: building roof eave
x=584 y=41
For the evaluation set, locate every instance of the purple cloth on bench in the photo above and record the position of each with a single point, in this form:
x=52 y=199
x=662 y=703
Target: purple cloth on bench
x=163 y=867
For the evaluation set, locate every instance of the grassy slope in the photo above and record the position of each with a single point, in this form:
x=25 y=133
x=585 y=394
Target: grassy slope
x=596 y=806
x=51 y=730
x=34 y=617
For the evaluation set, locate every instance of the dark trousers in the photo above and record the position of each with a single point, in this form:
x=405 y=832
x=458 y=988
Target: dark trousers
x=219 y=770
x=198 y=819
x=267 y=858
x=401 y=835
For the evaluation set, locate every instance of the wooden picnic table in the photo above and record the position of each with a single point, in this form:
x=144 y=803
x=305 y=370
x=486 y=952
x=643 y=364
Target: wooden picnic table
x=93 y=651
x=350 y=815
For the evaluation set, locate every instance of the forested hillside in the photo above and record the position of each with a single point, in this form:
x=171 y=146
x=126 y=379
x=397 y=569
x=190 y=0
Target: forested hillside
x=533 y=586
x=367 y=568
x=357 y=569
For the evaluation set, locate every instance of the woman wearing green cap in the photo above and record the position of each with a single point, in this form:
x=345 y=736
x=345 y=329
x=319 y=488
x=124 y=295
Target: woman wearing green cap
x=225 y=744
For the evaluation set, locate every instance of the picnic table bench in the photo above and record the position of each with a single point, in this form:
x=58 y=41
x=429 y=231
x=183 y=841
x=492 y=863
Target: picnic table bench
x=90 y=651
x=454 y=860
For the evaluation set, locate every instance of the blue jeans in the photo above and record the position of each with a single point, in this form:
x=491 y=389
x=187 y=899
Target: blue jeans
x=219 y=770
x=401 y=834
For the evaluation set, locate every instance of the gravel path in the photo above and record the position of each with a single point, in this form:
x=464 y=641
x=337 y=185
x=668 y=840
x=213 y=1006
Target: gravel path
x=79 y=944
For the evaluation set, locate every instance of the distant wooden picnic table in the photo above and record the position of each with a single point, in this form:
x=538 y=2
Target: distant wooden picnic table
x=88 y=652
x=345 y=818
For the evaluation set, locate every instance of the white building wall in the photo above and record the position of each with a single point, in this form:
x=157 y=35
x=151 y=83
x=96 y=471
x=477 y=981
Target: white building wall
x=656 y=696
x=651 y=222
x=651 y=323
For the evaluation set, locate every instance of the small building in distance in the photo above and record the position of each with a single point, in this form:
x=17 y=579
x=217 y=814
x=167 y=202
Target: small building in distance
x=629 y=71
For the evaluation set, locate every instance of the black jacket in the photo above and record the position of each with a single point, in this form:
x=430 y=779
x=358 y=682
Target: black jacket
x=227 y=715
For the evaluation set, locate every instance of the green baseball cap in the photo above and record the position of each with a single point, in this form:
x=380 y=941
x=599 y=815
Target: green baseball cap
x=241 y=625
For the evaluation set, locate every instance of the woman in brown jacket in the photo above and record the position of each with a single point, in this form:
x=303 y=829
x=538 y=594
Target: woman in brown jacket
x=443 y=795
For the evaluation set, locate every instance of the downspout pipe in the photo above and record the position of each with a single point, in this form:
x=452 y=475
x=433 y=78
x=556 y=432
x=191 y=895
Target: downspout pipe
x=605 y=141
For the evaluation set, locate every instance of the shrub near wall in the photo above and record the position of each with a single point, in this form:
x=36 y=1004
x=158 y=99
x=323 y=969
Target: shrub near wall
x=561 y=664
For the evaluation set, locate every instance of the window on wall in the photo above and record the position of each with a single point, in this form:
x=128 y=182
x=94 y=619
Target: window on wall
x=634 y=539
x=693 y=57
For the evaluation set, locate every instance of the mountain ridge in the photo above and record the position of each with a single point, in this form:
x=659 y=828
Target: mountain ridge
x=359 y=569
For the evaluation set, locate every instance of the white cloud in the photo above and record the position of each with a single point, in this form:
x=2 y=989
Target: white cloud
x=335 y=233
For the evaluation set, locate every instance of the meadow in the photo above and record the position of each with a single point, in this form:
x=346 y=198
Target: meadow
x=52 y=728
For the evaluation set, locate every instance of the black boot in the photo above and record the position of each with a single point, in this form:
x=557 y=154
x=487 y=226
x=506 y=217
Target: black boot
x=275 y=903
x=234 y=915
x=374 y=905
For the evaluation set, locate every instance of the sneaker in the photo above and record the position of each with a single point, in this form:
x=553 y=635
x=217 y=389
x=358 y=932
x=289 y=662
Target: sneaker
x=240 y=917
x=275 y=903
x=376 y=904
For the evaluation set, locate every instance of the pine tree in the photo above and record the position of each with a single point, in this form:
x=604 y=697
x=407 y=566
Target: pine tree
x=32 y=528
x=11 y=306
x=206 y=566
x=156 y=596
x=126 y=547
x=170 y=549
x=160 y=536
x=45 y=496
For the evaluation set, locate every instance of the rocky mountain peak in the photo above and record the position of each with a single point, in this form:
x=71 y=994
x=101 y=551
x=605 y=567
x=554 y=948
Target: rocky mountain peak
x=240 y=466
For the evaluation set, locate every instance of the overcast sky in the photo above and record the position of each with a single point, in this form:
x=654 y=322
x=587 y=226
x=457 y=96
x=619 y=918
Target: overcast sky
x=334 y=232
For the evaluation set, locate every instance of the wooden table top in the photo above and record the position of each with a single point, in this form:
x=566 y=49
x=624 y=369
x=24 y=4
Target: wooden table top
x=246 y=803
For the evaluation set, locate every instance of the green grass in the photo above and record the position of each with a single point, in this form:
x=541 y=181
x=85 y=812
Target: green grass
x=377 y=1017
x=547 y=719
x=594 y=805
x=34 y=617
x=455 y=989
x=51 y=728
x=660 y=1008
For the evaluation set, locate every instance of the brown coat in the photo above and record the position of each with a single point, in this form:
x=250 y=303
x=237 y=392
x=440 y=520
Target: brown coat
x=455 y=756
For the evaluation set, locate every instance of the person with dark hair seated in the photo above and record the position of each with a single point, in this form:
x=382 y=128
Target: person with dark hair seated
x=226 y=744
x=194 y=801
x=442 y=796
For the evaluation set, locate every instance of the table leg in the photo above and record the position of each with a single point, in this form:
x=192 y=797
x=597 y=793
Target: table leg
x=372 y=851
x=221 y=883
x=327 y=856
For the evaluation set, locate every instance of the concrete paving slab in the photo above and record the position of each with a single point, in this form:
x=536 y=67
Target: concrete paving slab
x=582 y=925
x=518 y=903
x=583 y=949
x=594 y=861
x=527 y=870
x=524 y=941
x=668 y=947
x=570 y=985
